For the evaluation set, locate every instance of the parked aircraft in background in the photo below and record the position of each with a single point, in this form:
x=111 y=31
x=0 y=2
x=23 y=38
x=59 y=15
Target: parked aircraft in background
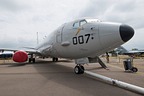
x=6 y=55
x=122 y=51
x=82 y=40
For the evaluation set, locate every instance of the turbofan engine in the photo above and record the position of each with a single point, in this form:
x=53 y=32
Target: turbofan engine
x=20 y=56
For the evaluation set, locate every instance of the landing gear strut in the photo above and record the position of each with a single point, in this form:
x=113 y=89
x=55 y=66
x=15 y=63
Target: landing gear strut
x=31 y=59
x=79 y=69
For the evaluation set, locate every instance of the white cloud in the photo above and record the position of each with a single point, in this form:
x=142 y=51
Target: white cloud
x=21 y=19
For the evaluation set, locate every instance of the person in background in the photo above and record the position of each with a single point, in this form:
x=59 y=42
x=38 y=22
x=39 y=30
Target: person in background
x=107 y=57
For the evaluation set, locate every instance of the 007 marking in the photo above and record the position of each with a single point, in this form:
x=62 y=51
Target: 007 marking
x=81 y=39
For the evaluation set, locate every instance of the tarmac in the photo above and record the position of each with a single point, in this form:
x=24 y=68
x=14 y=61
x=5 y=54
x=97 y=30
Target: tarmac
x=47 y=78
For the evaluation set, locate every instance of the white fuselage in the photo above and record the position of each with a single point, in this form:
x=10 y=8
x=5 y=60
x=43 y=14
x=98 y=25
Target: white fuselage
x=82 y=38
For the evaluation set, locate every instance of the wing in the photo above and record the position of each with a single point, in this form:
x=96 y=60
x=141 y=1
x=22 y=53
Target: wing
x=26 y=49
x=22 y=54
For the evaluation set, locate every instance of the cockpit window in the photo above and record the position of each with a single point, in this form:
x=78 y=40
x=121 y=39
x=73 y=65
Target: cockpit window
x=79 y=23
x=82 y=22
x=76 y=25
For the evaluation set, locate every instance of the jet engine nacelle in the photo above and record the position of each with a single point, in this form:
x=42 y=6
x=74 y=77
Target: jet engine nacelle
x=20 y=56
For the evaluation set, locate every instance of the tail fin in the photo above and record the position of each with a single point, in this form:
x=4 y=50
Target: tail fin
x=121 y=50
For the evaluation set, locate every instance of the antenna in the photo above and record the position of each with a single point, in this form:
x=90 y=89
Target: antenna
x=37 y=39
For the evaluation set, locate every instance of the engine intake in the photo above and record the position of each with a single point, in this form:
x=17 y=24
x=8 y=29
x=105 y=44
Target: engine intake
x=20 y=56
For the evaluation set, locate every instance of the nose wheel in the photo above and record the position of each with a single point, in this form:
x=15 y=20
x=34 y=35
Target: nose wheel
x=79 y=69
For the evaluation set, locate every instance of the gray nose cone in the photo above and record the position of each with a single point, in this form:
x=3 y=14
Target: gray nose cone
x=126 y=32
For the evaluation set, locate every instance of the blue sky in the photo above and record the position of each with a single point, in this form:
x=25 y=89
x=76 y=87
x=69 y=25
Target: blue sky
x=20 y=20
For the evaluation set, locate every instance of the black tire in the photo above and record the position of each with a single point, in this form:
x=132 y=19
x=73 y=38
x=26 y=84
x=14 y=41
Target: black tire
x=33 y=60
x=56 y=59
x=79 y=69
x=134 y=69
x=29 y=60
x=82 y=69
x=53 y=59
